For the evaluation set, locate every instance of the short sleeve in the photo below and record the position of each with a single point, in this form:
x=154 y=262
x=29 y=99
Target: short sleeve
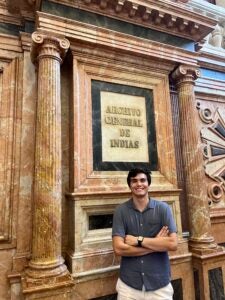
x=118 y=228
x=168 y=219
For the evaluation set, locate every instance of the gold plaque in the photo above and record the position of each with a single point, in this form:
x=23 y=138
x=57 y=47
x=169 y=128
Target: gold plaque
x=124 y=128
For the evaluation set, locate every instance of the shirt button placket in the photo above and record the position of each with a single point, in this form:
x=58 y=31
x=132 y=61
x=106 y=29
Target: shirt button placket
x=142 y=233
x=142 y=267
x=141 y=224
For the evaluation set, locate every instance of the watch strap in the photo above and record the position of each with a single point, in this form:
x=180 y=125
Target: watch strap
x=140 y=240
x=139 y=243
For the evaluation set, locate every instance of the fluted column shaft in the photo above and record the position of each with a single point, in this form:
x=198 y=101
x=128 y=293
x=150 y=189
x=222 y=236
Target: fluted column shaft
x=199 y=219
x=46 y=242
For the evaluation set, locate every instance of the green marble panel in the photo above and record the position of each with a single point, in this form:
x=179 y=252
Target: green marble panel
x=15 y=30
x=10 y=29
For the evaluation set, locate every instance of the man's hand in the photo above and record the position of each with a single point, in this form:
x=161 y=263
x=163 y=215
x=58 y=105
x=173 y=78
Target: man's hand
x=164 y=232
x=131 y=240
x=161 y=243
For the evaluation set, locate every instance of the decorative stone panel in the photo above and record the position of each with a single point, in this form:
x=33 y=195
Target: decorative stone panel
x=8 y=184
x=213 y=138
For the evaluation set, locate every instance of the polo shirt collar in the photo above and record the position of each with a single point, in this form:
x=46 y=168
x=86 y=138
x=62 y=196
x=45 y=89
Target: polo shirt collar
x=151 y=204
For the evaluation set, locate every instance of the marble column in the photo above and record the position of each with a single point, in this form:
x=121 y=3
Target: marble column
x=47 y=266
x=201 y=240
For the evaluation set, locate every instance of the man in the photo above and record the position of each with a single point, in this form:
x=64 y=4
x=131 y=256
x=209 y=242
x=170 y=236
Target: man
x=143 y=232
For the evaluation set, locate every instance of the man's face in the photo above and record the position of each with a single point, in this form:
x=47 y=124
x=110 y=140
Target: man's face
x=139 y=185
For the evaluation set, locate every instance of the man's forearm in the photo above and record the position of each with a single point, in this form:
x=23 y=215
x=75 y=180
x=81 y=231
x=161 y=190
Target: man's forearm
x=127 y=250
x=123 y=249
x=161 y=243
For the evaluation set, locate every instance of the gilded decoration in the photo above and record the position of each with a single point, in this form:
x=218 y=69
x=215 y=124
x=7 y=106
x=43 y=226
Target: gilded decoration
x=213 y=138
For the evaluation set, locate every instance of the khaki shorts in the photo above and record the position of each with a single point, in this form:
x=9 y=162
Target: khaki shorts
x=126 y=292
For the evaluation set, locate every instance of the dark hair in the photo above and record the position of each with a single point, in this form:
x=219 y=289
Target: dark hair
x=134 y=172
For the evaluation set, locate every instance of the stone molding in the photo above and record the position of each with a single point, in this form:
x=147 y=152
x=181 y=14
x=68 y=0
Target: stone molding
x=26 y=41
x=10 y=108
x=78 y=33
x=10 y=47
x=9 y=70
x=95 y=63
x=166 y=16
x=23 y=9
x=208 y=9
x=216 y=38
x=8 y=17
x=178 y=19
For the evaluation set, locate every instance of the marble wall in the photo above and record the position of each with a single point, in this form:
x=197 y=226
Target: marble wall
x=57 y=185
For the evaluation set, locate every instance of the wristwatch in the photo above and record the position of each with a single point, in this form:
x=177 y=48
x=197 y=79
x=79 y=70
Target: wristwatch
x=140 y=240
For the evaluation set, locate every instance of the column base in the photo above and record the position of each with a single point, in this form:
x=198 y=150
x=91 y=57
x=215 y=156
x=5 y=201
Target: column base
x=55 y=288
x=50 y=292
x=47 y=283
x=45 y=269
x=203 y=246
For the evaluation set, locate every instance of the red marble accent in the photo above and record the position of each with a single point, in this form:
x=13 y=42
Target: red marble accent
x=199 y=219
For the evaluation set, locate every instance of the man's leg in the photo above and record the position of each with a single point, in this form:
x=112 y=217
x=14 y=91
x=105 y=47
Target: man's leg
x=125 y=292
x=165 y=293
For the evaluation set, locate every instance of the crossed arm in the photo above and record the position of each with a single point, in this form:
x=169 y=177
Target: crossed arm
x=164 y=241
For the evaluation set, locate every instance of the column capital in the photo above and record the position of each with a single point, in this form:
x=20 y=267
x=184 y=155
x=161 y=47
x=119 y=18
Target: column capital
x=186 y=74
x=44 y=45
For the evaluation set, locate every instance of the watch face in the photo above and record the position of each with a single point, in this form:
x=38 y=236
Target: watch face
x=140 y=238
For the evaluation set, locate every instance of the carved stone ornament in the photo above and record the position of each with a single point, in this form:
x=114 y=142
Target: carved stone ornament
x=213 y=138
x=185 y=74
x=48 y=46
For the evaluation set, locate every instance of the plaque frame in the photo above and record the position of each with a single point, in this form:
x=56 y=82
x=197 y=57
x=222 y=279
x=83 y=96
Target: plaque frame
x=103 y=66
x=99 y=165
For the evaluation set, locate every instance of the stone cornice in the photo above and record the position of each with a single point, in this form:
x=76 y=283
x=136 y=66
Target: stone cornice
x=205 y=8
x=78 y=32
x=166 y=16
x=7 y=17
x=23 y=9
x=212 y=52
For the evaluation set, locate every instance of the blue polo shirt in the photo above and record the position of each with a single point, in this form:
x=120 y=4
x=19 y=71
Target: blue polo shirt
x=151 y=270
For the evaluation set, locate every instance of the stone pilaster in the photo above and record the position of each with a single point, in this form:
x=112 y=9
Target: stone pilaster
x=201 y=240
x=46 y=267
